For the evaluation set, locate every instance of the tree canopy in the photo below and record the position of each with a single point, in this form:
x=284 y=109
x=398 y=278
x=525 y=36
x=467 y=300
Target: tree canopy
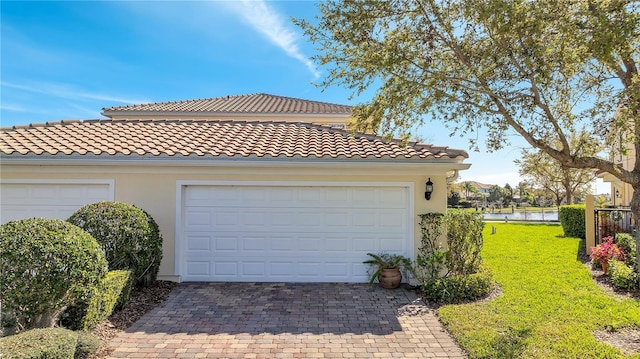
x=563 y=183
x=543 y=70
x=540 y=69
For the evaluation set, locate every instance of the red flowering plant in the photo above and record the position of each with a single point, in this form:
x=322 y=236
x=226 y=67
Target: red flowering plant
x=607 y=250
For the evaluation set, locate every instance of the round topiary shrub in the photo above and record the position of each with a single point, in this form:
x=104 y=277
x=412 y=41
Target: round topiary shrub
x=87 y=345
x=46 y=264
x=49 y=343
x=129 y=237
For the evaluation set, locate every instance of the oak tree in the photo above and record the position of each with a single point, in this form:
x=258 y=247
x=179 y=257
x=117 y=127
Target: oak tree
x=561 y=182
x=542 y=70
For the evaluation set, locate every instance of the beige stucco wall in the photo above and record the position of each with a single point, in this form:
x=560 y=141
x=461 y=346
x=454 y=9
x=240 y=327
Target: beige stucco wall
x=154 y=187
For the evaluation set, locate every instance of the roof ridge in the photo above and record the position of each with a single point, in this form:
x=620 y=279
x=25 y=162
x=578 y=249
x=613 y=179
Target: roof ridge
x=45 y=124
x=227 y=97
x=176 y=101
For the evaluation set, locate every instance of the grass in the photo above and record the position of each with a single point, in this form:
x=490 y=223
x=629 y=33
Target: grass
x=550 y=305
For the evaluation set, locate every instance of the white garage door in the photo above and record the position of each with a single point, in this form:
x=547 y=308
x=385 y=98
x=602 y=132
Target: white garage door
x=290 y=234
x=49 y=200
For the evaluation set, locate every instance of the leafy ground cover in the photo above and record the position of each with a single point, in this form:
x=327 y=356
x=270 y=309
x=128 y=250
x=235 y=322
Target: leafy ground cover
x=550 y=306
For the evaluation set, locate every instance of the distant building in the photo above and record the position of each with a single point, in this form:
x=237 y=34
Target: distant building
x=624 y=156
x=482 y=190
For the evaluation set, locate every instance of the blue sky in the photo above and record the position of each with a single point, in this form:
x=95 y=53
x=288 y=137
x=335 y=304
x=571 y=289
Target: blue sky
x=68 y=60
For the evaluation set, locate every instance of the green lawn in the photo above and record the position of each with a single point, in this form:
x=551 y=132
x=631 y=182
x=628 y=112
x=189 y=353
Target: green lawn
x=550 y=305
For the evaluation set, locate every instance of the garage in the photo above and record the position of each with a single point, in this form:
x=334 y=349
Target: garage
x=252 y=195
x=24 y=199
x=290 y=232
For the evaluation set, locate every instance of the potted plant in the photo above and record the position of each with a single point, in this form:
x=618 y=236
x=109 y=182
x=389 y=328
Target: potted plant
x=606 y=251
x=387 y=269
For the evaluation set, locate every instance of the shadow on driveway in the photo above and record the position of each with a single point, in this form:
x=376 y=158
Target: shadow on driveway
x=275 y=308
x=278 y=320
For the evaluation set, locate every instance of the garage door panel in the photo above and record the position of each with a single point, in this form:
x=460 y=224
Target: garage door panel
x=199 y=269
x=310 y=244
x=198 y=243
x=225 y=268
x=282 y=269
x=364 y=245
x=338 y=269
x=364 y=218
x=56 y=200
x=338 y=244
x=336 y=219
x=254 y=219
x=231 y=218
x=364 y=195
x=198 y=218
x=392 y=219
x=305 y=234
x=254 y=268
x=252 y=244
x=392 y=197
x=225 y=244
x=232 y=269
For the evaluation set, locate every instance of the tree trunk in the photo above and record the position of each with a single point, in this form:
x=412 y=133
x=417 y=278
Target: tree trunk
x=635 y=209
x=567 y=190
x=45 y=320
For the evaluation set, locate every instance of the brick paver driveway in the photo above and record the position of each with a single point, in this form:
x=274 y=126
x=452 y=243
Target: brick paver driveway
x=276 y=320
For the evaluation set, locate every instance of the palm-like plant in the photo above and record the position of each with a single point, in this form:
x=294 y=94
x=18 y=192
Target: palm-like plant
x=386 y=261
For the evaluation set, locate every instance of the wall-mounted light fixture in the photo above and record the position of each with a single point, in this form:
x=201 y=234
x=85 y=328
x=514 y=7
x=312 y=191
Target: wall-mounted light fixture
x=428 y=189
x=617 y=193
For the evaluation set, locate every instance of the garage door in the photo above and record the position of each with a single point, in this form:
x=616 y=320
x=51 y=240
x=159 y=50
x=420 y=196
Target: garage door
x=290 y=234
x=49 y=200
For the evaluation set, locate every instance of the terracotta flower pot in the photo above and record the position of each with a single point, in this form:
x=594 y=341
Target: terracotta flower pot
x=390 y=278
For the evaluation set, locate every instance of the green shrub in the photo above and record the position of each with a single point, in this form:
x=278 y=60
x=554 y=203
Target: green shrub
x=431 y=258
x=627 y=243
x=129 y=237
x=458 y=288
x=46 y=264
x=88 y=344
x=464 y=241
x=125 y=293
x=454 y=274
x=49 y=343
x=622 y=276
x=87 y=314
x=572 y=219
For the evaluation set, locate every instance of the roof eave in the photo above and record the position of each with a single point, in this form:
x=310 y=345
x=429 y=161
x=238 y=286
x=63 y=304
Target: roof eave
x=183 y=161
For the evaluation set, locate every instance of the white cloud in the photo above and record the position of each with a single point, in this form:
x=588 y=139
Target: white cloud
x=11 y=107
x=271 y=24
x=68 y=92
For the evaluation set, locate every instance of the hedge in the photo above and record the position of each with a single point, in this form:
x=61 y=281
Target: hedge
x=87 y=314
x=572 y=219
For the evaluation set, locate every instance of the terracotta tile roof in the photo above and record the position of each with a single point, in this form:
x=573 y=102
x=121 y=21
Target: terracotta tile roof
x=243 y=104
x=206 y=139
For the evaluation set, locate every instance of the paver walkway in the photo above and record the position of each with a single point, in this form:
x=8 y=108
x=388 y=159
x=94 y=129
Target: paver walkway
x=282 y=320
